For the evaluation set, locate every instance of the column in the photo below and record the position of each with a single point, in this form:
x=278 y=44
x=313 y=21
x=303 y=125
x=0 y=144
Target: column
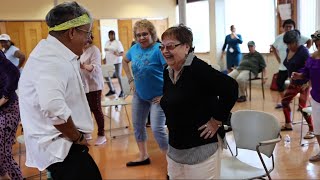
x=182 y=11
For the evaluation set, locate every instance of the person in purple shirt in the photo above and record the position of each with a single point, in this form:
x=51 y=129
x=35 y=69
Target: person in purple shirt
x=311 y=71
x=294 y=61
x=9 y=118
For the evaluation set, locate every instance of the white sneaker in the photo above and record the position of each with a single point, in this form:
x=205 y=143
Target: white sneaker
x=88 y=136
x=309 y=135
x=100 y=140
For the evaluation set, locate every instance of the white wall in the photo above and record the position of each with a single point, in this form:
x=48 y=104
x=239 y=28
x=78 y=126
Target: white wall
x=318 y=15
x=107 y=25
x=100 y=9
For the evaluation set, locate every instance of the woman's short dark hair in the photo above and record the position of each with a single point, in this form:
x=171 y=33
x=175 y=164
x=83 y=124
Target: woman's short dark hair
x=231 y=27
x=292 y=36
x=289 y=21
x=111 y=32
x=182 y=33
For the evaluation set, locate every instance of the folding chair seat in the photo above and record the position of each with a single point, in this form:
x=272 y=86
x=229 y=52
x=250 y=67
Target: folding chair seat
x=255 y=131
x=121 y=101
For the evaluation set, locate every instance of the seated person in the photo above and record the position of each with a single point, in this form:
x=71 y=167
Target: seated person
x=254 y=62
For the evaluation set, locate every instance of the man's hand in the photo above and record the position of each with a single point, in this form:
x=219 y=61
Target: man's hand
x=82 y=66
x=264 y=80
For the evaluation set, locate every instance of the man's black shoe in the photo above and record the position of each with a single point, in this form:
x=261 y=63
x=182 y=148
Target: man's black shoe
x=242 y=99
x=110 y=93
x=121 y=94
x=139 y=163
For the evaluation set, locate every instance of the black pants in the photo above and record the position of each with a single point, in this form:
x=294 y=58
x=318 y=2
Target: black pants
x=282 y=77
x=77 y=165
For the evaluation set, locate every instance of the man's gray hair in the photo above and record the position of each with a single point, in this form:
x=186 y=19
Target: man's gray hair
x=65 y=12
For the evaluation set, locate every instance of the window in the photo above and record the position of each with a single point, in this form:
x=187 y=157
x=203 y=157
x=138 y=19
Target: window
x=254 y=20
x=307 y=18
x=198 y=20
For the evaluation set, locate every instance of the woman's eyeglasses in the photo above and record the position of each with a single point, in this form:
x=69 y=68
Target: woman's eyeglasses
x=169 y=47
x=89 y=33
x=315 y=37
x=144 y=34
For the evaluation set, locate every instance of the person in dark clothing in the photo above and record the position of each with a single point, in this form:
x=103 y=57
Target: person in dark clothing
x=9 y=118
x=197 y=101
x=294 y=61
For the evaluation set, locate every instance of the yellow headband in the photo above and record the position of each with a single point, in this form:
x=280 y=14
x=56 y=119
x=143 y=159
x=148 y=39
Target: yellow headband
x=79 y=21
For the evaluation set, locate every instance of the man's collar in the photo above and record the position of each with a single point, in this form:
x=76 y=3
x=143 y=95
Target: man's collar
x=63 y=50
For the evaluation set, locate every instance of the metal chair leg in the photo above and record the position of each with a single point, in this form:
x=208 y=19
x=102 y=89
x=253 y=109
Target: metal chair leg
x=110 y=120
x=229 y=148
x=125 y=108
x=249 y=86
x=262 y=86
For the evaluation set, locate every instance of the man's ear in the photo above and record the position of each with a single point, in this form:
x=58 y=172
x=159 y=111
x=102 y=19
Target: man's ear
x=71 y=33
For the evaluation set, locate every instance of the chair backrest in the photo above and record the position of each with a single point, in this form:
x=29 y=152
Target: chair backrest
x=251 y=127
x=125 y=86
x=107 y=70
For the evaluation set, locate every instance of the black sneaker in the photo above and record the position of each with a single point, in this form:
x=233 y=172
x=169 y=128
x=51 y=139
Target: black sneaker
x=110 y=93
x=121 y=94
x=242 y=99
x=278 y=106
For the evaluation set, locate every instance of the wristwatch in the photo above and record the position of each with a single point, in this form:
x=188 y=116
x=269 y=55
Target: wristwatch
x=130 y=80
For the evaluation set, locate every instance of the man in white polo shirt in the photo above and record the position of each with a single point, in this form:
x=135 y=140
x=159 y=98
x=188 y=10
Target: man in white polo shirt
x=53 y=105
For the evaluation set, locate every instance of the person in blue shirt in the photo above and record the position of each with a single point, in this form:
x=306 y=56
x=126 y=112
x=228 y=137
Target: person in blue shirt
x=232 y=42
x=146 y=80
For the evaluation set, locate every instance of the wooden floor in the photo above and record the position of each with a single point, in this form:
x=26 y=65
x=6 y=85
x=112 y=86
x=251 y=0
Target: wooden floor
x=290 y=162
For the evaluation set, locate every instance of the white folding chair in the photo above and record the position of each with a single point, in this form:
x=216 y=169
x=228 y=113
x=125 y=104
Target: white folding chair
x=107 y=70
x=123 y=101
x=256 y=131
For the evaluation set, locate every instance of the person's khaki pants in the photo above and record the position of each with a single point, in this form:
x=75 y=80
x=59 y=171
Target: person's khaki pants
x=208 y=169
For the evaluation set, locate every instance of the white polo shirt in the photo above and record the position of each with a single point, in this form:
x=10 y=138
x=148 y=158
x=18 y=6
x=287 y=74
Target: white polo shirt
x=50 y=91
x=10 y=55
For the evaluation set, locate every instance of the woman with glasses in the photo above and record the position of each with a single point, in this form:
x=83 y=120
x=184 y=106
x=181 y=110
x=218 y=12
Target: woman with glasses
x=197 y=100
x=294 y=61
x=232 y=42
x=311 y=71
x=9 y=118
x=146 y=80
